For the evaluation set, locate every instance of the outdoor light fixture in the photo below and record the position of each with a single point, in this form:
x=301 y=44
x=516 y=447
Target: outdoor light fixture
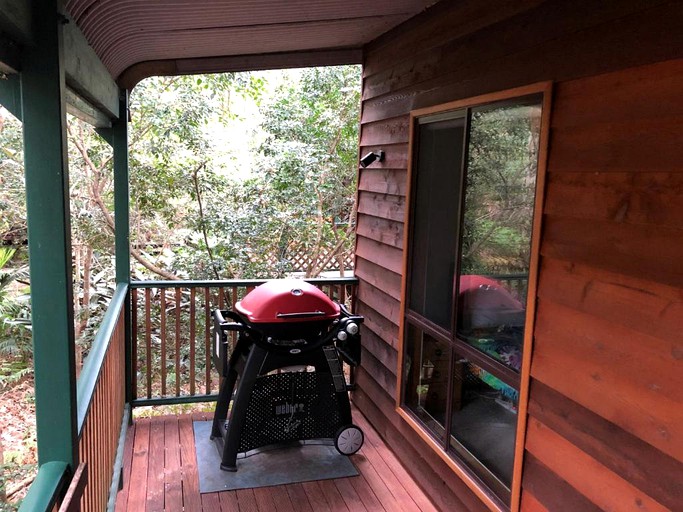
x=371 y=157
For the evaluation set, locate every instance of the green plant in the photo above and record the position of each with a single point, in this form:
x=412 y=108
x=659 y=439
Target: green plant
x=15 y=321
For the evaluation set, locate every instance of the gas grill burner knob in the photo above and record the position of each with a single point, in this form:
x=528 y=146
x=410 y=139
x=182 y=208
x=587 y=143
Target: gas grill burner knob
x=341 y=335
x=352 y=328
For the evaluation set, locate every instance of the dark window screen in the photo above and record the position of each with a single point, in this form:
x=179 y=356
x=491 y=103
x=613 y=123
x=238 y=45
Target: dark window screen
x=435 y=221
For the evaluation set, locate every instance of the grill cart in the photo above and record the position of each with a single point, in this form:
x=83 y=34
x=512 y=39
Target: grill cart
x=283 y=381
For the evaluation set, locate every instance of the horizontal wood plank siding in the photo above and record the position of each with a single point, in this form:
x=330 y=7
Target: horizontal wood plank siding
x=607 y=365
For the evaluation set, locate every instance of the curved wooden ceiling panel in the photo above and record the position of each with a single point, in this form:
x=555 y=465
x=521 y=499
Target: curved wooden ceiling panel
x=124 y=33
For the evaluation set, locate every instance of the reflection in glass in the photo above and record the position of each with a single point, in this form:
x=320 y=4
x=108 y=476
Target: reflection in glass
x=491 y=319
x=497 y=223
x=484 y=419
x=426 y=378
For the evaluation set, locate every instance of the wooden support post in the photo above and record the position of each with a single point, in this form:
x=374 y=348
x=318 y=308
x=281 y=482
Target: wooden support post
x=121 y=192
x=119 y=142
x=47 y=205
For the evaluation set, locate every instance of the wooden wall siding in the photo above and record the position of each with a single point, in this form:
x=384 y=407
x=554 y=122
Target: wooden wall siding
x=606 y=409
x=607 y=365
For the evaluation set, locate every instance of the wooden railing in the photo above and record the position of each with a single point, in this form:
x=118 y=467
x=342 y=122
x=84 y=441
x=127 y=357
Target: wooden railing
x=101 y=397
x=100 y=421
x=517 y=284
x=171 y=325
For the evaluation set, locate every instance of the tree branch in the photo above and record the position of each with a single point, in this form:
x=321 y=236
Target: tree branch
x=202 y=220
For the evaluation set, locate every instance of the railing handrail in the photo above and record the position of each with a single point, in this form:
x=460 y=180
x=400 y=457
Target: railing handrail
x=87 y=380
x=227 y=283
x=516 y=275
x=45 y=489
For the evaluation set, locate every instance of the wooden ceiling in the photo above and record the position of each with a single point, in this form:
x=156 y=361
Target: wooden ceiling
x=143 y=37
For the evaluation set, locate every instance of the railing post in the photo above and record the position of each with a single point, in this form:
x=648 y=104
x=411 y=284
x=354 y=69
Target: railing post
x=47 y=205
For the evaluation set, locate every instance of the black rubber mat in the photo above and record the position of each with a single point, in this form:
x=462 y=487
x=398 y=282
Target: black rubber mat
x=283 y=465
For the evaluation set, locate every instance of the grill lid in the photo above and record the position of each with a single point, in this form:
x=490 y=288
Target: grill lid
x=286 y=300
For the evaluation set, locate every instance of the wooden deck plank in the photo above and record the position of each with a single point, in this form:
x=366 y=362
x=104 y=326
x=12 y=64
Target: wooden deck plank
x=191 y=497
x=161 y=469
x=316 y=496
x=283 y=502
x=122 y=498
x=333 y=496
x=173 y=484
x=246 y=500
x=388 y=457
x=264 y=498
x=211 y=501
x=155 y=470
x=377 y=458
x=375 y=481
x=299 y=498
x=349 y=494
x=366 y=494
x=137 y=493
x=229 y=501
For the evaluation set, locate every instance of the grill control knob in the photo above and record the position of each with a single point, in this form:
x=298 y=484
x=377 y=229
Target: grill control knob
x=341 y=335
x=352 y=328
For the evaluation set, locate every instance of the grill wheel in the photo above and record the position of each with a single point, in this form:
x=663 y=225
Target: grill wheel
x=348 y=440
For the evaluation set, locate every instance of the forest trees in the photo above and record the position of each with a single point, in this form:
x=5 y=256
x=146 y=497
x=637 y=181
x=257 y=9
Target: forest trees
x=199 y=208
x=299 y=201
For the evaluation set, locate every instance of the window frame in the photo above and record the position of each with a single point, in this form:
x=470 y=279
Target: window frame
x=521 y=379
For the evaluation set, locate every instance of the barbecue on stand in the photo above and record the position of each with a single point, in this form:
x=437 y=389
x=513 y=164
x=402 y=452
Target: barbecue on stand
x=282 y=324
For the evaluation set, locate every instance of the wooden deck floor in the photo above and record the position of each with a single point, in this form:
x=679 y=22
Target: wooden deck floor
x=160 y=474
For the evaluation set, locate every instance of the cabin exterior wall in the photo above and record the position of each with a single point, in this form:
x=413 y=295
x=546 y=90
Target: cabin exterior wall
x=605 y=424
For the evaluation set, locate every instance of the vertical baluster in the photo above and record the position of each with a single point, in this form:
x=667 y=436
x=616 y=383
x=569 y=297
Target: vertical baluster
x=207 y=339
x=148 y=341
x=177 y=341
x=342 y=294
x=192 y=341
x=163 y=342
x=134 y=342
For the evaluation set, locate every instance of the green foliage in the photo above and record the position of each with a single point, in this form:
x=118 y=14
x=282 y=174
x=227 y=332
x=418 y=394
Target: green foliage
x=12 y=204
x=15 y=321
x=301 y=201
x=501 y=179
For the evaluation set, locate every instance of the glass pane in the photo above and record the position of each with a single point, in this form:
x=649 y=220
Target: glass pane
x=426 y=378
x=498 y=216
x=435 y=219
x=484 y=421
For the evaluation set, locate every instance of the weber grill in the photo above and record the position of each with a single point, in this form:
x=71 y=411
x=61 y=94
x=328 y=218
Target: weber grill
x=283 y=381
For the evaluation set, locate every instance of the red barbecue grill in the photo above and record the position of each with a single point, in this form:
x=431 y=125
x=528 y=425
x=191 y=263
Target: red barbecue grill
x=281 y=325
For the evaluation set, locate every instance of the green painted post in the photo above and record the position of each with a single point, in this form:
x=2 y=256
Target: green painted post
x=49 y=228
x=119 y=140
x=121 y=194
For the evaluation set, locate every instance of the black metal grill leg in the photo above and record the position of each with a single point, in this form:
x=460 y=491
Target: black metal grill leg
x=223 y=403
x=231 y=443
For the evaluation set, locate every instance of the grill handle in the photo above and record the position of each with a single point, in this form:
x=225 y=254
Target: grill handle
x=235 y=325
x=301 y=314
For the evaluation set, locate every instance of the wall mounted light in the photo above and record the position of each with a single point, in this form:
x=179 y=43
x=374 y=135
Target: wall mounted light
x=372 y=157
